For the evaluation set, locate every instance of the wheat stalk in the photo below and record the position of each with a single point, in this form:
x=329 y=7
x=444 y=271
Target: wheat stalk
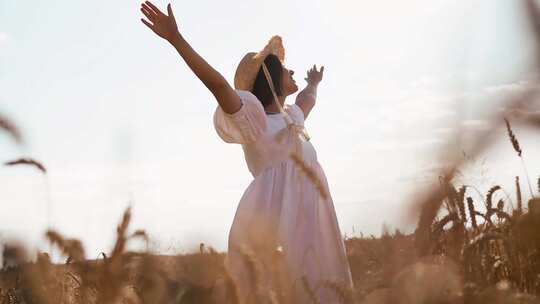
x=461 y=203
x=27 y=161
x=254 y=269
x=518 y=197
x=11 y=129
x=438 y=227
x=142 y=235
x=489 y=196
x=513 y=139
x=472 y=212
x=517 y=148
x=310 y=173
x=72 y=248
x=121 y=234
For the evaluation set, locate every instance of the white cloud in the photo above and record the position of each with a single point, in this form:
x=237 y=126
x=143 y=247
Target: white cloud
x=425 y=174
x=475 y=124
x=508 y=88
x=443 y=131
x=402 y=145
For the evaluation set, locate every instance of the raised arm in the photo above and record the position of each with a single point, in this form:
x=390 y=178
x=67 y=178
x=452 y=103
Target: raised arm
x=307 y=97
x=165 y=27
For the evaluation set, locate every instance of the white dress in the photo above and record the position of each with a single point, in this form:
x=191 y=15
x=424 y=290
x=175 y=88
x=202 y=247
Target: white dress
x=282 y=225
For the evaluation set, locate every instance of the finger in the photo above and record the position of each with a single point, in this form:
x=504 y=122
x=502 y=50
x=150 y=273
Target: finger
x=156 y=10
x=315 y=68
x=322 y=70
x=149 y=11
x=148 y=15
x=147 y=24
x=148 y=8
x=169 y=10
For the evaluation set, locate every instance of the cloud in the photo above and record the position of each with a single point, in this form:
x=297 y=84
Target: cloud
x=426 y=174
x=479 y=106
x=507 y=89
x=404 y=144
x=475 y=124
x=443 y=131
x=490 y=98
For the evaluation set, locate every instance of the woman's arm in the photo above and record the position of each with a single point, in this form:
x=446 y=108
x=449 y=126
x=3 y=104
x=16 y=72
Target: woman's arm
x=165 y=27
x=307 y=97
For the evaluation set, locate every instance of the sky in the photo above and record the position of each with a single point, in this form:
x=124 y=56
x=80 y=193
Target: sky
x=119 y=120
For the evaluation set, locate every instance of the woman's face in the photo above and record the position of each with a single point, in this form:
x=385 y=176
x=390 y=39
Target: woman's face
x=288 y=83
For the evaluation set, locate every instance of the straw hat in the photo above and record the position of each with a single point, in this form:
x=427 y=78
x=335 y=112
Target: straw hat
x=247 y=71
x=249 y=66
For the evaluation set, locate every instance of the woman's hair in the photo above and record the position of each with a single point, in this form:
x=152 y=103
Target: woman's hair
x=261 y=89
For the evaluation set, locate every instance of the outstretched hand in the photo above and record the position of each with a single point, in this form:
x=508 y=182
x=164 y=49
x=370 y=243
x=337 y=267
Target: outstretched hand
x=161 y=24
x=314 y=76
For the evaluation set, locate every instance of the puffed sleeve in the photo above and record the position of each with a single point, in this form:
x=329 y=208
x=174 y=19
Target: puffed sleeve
x=244 y=126
x=296 y=113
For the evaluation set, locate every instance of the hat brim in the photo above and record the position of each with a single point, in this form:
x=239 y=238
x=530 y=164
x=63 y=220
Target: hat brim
x=249 y=66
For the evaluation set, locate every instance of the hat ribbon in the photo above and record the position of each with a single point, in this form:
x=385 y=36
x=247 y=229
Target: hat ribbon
x=300 y=130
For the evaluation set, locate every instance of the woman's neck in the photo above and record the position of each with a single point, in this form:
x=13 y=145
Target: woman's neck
x=273 y=108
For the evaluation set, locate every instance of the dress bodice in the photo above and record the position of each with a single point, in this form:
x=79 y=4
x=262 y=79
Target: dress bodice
x=263 y=136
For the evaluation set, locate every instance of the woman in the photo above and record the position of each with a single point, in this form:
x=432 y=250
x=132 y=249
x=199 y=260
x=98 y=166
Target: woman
x=285 y=235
